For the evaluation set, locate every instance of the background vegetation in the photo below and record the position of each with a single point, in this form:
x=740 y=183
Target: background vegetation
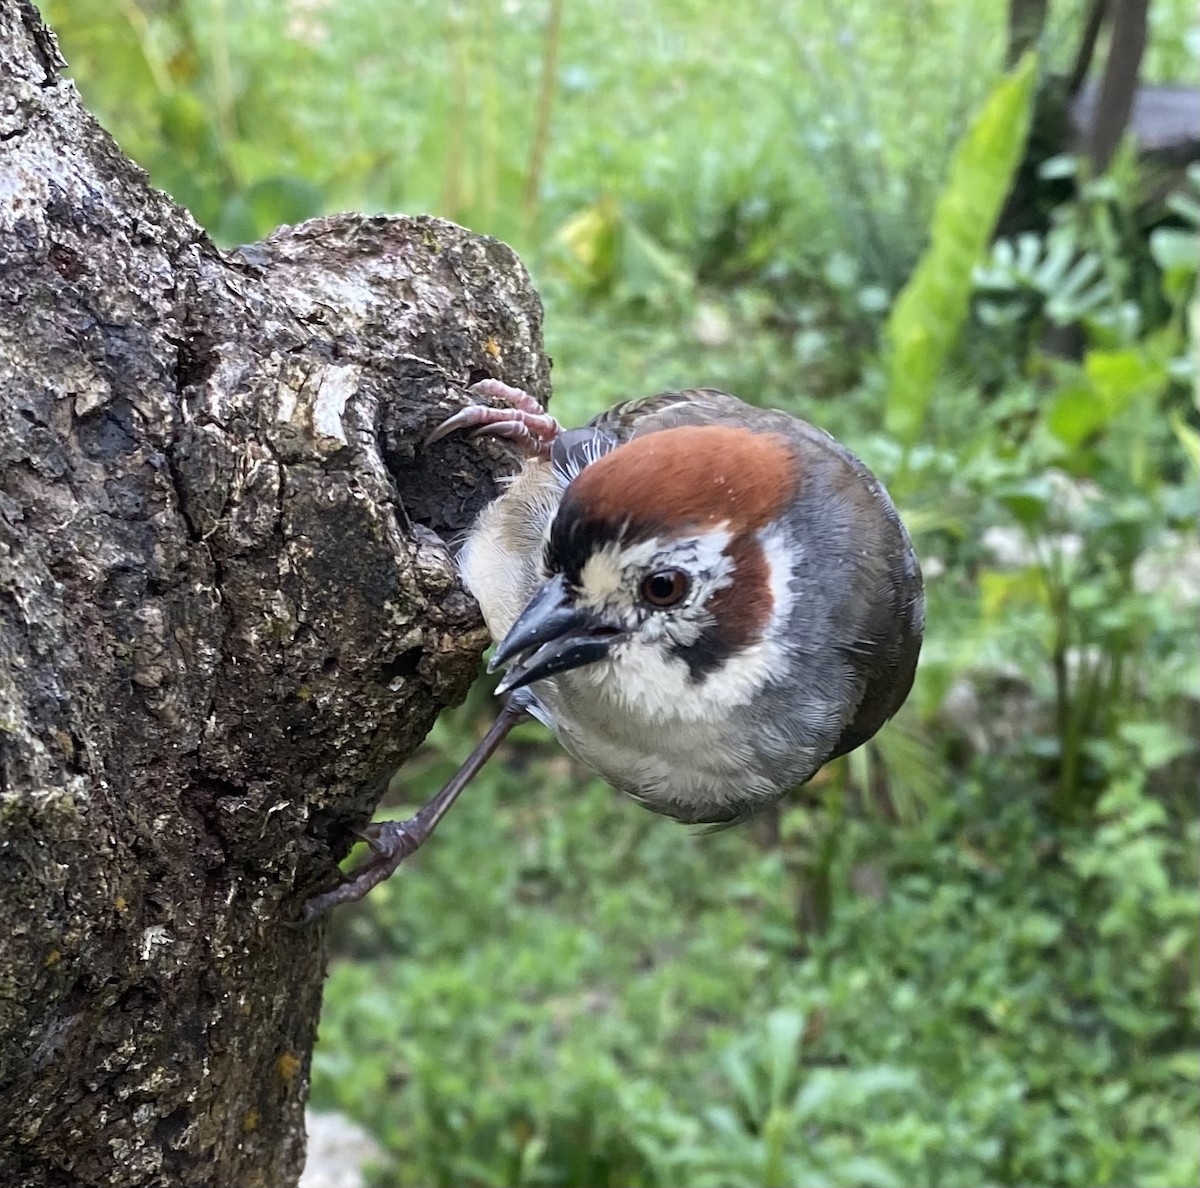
x=965 y=956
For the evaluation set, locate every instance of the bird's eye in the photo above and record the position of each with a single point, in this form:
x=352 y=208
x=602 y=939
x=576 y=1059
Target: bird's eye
x=665 y=588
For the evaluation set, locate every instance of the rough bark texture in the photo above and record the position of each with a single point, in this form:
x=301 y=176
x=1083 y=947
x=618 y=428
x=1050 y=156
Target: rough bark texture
x=225 y=610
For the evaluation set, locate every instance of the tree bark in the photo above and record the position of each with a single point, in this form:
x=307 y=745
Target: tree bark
x=226 y=609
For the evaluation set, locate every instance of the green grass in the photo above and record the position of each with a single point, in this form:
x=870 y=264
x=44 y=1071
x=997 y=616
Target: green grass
x=433 y=107
x=968 y=958
x=576 y=993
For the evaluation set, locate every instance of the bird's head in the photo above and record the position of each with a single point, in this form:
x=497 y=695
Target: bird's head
x=663 y=561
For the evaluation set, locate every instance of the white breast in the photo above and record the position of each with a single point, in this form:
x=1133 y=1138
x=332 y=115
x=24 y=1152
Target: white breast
x=667 y=744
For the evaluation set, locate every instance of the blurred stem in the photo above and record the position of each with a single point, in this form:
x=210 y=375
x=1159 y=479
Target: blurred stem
x=1026 y=22
x=1066 y=726
x=778 y=1125
x=1087 y=703
x=452 y=182
x=1097 y=10
x=866 y=169
x=545 y=109
x=1116 y=674
x=137 y=21
x=961 y=117
x=1119 y=82
x=488 y=181
x=1099 y=213
x=223 y=89
x=817 y=853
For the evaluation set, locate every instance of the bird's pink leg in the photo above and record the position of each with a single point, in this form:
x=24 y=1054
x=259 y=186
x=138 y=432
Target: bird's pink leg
x=393 y=841
x=523 y=420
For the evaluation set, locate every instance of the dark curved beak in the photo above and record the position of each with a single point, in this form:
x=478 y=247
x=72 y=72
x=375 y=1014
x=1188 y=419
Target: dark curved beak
x=551 y=635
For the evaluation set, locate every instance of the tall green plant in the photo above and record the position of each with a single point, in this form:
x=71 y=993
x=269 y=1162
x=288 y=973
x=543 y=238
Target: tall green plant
x=930 y=312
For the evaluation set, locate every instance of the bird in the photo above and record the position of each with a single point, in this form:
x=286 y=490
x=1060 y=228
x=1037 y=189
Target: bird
x=704 y=600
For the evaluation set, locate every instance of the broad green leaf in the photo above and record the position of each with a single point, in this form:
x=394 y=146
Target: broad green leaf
x=1175 y=251
x=1027 y=499
x=784 y=1032
x=1157 y=743
x=929 y=313
x=1173 y=248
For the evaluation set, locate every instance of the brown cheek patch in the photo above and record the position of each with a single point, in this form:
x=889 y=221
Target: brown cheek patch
x=743 y=608
x=691 y=476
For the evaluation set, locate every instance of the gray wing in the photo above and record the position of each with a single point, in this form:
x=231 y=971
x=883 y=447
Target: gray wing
x=868 y=606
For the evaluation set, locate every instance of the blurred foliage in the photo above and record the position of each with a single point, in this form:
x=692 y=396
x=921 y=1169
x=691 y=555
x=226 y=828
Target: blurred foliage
x=966 y=954
x=928 y=316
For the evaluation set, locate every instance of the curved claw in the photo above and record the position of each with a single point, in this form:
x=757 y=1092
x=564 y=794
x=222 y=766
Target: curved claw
x=391 y=842
x=371 y=835
x=460 y=420
x=534 y=430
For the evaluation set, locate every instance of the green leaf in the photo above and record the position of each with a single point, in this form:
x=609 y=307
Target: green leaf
x=1175 y=252
x=589 y=239
x=929 y=314
x=1076 y=414
x=1119 y=376
x=185 y=122
x=1188 y=438
x=1173 y=248
x=784 y=1032
x=1027 y=499
x=649 y=271
x=1157 y=743
x=999 y=592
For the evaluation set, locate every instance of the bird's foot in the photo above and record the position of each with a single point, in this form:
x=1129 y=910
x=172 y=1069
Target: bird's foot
x=522 y=419
x=391 y=842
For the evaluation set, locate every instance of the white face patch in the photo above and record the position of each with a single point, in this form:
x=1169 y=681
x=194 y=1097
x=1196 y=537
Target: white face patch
x=600 y=581
x=611 y=578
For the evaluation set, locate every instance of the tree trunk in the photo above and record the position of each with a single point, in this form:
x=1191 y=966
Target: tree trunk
x=1118 y=85
x=226 y=610
x=1093 y=21
x=1026 y=24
